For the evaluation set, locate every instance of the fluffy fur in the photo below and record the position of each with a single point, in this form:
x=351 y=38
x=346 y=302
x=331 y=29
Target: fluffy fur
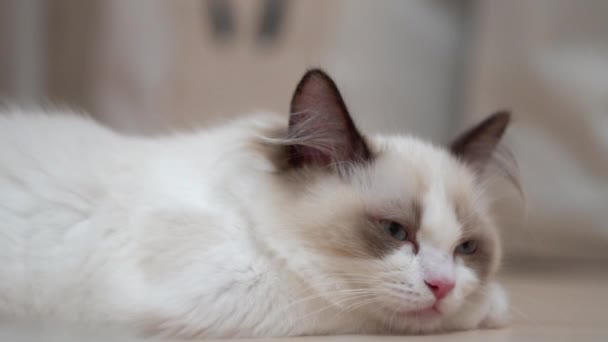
x=233 y=232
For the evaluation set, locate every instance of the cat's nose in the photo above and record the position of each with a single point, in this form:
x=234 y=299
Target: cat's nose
x=440 y=286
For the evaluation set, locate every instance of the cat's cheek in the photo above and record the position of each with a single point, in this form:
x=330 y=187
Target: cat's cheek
x=498 y=315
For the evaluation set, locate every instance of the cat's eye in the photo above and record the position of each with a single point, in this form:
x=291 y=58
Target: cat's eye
x=467 y=247
x=396 y=230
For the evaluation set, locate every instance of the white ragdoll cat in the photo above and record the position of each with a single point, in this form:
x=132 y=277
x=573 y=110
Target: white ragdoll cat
x=257 y=228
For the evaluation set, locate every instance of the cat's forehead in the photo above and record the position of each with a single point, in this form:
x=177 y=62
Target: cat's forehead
x=410 y=173
x=408 y=167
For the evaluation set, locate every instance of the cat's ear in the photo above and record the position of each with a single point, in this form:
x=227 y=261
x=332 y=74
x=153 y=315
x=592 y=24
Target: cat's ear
x=477 y=145
x=321 y=131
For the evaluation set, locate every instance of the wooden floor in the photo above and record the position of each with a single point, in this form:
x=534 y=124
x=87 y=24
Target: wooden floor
x=549 y=304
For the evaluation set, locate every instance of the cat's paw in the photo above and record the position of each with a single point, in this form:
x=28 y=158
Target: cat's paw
x=498 y=315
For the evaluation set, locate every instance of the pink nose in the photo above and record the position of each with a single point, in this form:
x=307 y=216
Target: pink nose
x=440 y=287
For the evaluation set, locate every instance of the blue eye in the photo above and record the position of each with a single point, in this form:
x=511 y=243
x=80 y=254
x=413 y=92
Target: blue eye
x=396 y=230
x=467 y=247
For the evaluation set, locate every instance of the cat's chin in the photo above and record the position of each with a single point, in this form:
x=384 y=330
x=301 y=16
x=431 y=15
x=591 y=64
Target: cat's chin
x=486 y=310
x=427 y=313
x=490 y=311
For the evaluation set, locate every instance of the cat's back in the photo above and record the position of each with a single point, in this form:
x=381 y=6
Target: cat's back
x=49 y=158
x=49 y=140
x=43 y=151
x=60 y=163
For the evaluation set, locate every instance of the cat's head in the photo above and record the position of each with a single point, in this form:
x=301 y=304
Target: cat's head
x=389 y=226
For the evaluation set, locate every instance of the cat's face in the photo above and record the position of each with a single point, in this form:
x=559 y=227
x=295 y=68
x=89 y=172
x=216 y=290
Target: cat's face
x=406 y=238
x=395 y=228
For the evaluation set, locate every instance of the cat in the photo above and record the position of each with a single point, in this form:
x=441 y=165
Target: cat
x=262 y=227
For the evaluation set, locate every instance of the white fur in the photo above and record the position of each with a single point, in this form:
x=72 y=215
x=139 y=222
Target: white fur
x=190 y=235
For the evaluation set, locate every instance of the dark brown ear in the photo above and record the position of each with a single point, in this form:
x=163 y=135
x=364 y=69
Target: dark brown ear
x=476 y=146
x=321 y=130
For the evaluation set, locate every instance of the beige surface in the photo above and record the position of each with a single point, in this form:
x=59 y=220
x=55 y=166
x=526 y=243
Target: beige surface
x=560 y=304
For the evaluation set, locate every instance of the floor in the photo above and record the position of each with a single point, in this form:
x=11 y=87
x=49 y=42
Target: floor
x=549 y=304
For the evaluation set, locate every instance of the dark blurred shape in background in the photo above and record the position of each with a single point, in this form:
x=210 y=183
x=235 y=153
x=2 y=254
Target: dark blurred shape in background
x=426 y=67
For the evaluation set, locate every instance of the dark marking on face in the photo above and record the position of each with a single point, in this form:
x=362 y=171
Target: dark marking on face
x=476 y=226
x=379 y=243
x=355 y=233
x=376 y=241
x=483 y=261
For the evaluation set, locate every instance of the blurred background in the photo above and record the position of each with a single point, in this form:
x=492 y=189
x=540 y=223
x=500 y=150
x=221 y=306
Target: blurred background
x=426 y=67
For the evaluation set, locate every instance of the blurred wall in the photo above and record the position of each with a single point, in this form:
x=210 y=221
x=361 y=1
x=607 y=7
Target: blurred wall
x=401 y=63
x=146 y=65
x=167 y=68
x=46 y=51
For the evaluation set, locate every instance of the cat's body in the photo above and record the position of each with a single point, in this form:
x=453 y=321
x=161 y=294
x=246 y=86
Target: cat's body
x=100 y=227
x=224 y=233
